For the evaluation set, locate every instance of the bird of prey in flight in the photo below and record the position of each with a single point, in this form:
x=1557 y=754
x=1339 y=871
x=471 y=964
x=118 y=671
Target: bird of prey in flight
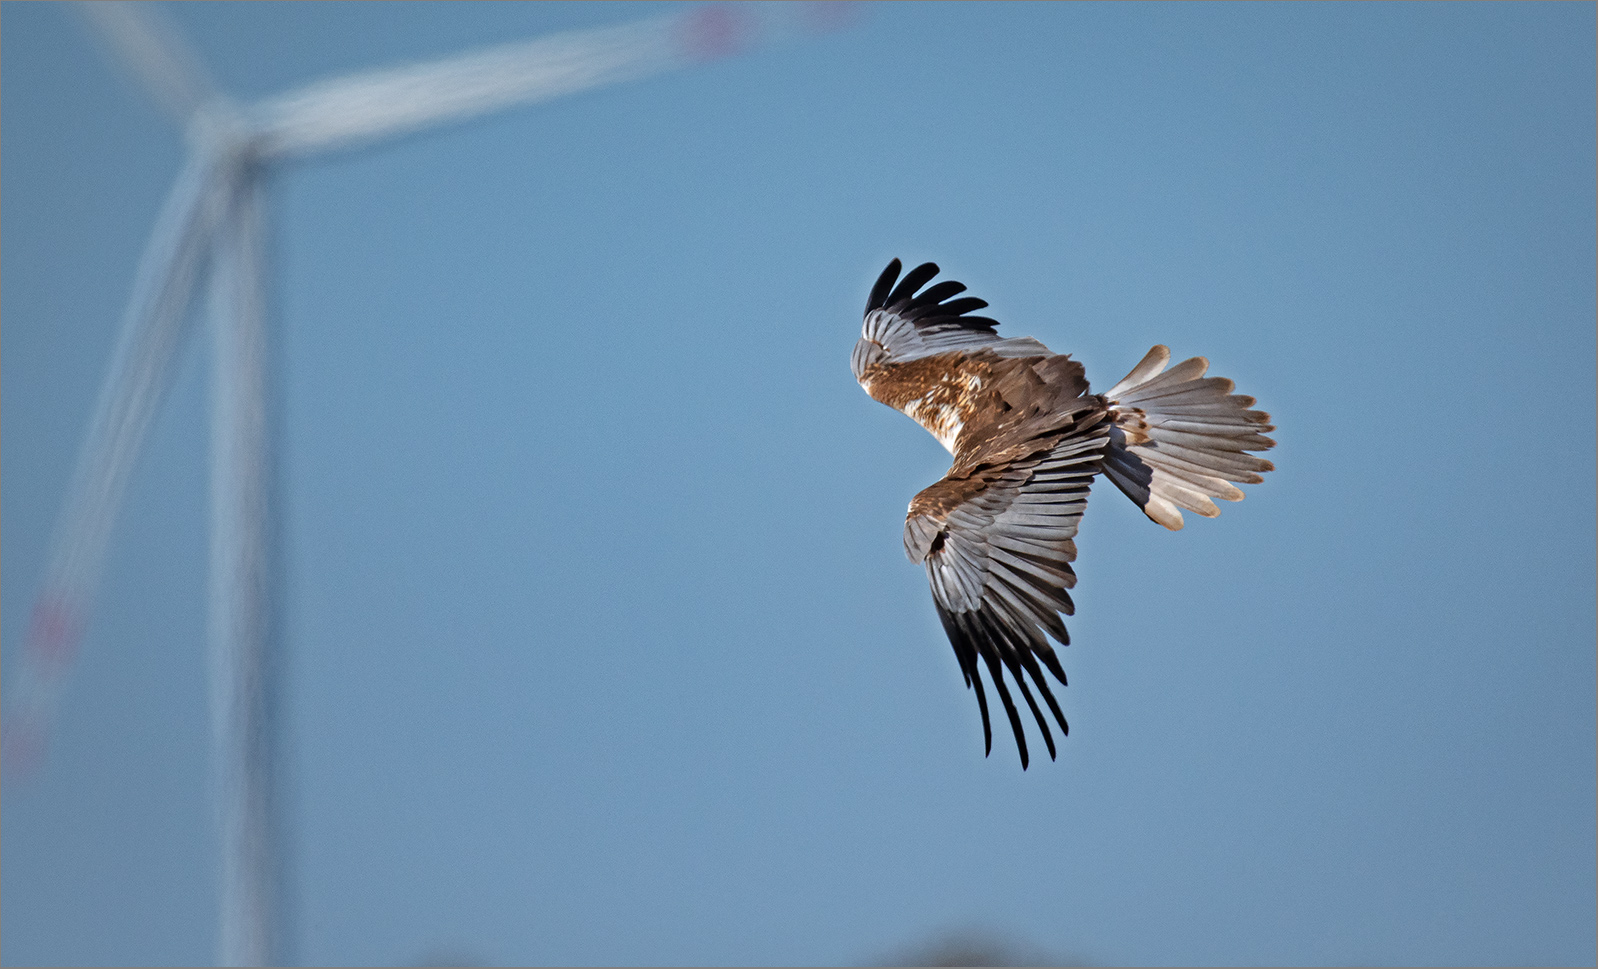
x=1027 y=436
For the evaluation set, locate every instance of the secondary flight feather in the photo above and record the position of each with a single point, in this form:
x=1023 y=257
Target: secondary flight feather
x=996 y=534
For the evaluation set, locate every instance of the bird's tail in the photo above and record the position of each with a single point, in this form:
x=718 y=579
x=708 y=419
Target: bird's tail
x=1180 y=438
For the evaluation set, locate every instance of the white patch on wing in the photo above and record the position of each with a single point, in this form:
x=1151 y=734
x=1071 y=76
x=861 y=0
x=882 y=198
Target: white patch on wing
x=949 y=430
x=943 y=420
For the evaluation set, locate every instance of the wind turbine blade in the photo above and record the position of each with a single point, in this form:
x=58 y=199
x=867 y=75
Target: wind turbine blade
x=152 y=330
x=153 y=51
x=347 y=111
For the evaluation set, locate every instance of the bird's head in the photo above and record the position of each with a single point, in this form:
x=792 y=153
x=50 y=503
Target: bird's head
x=867 y=353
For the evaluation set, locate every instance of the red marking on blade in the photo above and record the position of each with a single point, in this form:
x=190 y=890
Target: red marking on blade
x=53 y=635
x=22 y=747
x=714 y=30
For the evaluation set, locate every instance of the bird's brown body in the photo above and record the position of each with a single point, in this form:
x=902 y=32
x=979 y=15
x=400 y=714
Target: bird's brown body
x=974 y=401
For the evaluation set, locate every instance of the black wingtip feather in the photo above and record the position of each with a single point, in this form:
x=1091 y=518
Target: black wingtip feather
x=1011 y=651
x=1011 y=712
x=879 y=292
x=1043 y=723
x=964 y=304
x=997 y=671
x=1048 y=694
x=966 y=653
x=912 y=281
x=1051 y=659
x=987 y=725
x=941 y=292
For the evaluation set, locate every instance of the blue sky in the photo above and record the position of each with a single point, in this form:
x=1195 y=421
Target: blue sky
x=601 y=644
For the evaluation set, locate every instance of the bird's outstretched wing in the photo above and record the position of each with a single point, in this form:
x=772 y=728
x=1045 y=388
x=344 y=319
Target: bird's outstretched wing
x=909 y=326
x=997 y=543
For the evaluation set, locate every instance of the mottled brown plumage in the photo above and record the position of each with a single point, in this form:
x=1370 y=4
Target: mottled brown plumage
x=1027 y=435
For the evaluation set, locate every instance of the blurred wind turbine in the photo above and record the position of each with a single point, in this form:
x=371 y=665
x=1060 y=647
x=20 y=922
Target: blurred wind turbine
x=210 y=229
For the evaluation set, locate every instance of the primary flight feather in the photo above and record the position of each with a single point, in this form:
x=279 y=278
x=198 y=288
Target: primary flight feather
x=1027 y=435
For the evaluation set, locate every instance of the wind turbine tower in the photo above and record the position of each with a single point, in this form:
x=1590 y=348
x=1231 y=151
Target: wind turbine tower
x=209 y=232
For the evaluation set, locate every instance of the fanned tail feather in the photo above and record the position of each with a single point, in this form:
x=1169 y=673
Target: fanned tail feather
x=1180 y=438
